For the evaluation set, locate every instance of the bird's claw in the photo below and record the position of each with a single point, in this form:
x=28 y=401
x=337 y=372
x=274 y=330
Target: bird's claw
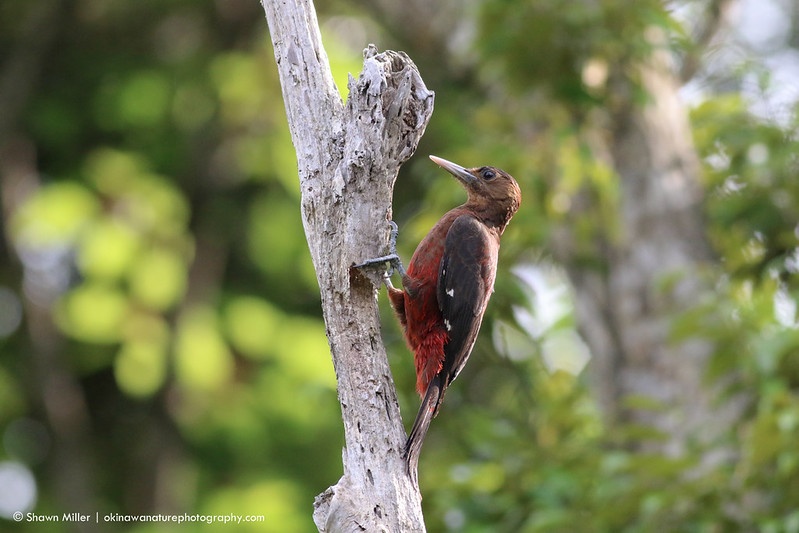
x=393 y=258
x=392 y=238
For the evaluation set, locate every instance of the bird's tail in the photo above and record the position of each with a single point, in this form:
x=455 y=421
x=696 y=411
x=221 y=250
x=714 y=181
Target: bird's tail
x=428 y=409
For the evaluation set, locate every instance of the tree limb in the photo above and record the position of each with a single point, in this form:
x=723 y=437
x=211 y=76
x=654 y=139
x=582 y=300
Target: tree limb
x=348 y=158
x=716 y=17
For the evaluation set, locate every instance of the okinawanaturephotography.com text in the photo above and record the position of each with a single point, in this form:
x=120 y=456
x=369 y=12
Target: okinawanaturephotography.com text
x=117 y=517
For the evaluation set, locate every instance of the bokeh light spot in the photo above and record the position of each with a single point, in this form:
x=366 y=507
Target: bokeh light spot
x=140 y=368
x=107 y=249
x=158 y=279
x=93 y=312
x=202 y=359
x=252 y=324
x=17 y=488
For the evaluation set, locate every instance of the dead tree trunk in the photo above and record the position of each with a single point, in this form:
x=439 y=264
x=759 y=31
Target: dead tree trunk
x=348 y=158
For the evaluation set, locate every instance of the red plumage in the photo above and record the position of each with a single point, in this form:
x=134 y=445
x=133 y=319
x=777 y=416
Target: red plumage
x=447 y=286
x=417 y=305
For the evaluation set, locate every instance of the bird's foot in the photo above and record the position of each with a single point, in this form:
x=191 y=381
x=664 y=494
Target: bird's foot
x=392 y=259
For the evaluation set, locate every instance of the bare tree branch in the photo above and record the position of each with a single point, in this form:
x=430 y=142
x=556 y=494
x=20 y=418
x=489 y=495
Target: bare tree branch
x=348 y=158
x=716 y=18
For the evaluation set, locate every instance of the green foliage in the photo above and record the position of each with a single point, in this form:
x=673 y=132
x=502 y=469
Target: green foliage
x=171 y=308
x=751 y=180
x=54 y=216
x=533 y=45
x=551 y=464
x=147 y=219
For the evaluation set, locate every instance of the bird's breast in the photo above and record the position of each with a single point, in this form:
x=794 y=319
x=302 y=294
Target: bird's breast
x=421 y=280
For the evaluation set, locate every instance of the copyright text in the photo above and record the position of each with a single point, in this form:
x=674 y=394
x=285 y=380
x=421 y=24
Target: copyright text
x=117 y=517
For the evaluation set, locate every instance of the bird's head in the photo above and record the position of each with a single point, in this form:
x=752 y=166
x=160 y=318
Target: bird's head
x=493 y=193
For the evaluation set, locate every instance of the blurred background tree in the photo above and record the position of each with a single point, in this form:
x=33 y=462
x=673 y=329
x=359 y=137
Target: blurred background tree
x=161 y=346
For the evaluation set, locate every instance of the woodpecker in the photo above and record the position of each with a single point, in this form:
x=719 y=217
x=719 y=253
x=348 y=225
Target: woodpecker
x=447 y=286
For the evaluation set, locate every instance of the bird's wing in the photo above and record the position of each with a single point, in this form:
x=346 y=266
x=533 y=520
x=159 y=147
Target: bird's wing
x=465 y=281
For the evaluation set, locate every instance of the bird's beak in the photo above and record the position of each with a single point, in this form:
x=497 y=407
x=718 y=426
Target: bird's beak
x=456 y=170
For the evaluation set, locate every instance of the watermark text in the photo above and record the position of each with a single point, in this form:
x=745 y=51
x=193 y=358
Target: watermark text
x=98 y=517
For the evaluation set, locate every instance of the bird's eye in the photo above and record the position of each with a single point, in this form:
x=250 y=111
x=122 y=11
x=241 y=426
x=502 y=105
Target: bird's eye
x=488 y=174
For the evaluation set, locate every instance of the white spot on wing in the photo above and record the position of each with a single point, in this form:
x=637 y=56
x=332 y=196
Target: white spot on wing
x=451 y=293
x=448 y=325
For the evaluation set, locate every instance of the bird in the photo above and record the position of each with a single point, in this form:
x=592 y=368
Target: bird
x=447 y=286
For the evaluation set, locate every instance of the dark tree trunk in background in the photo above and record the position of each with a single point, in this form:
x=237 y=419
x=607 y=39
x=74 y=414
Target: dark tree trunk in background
x=55 y=394
x=653 y=272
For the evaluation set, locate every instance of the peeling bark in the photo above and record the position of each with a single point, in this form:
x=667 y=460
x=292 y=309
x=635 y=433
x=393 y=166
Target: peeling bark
x=348 y=157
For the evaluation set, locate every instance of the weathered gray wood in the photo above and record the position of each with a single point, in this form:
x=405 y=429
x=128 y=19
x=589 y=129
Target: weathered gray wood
x=348 y=157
